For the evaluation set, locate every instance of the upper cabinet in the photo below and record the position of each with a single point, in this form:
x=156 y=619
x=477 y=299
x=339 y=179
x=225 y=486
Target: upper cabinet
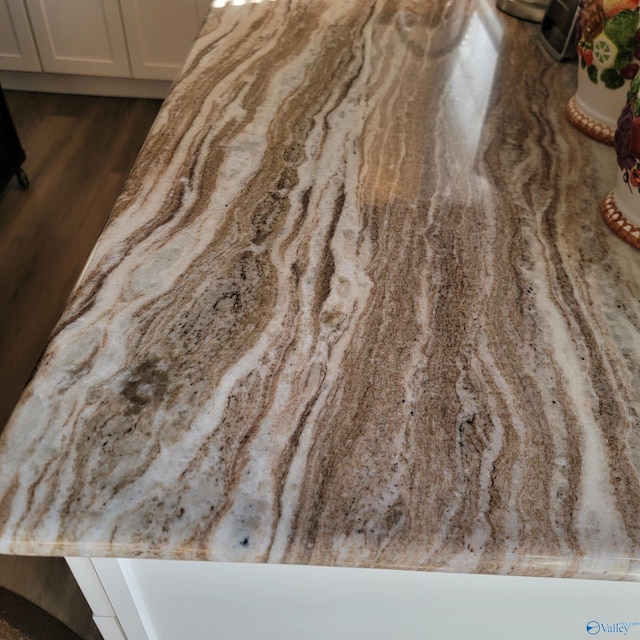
x=160 y=34
x=80 y=36
x=17 y=48
x=140 y=39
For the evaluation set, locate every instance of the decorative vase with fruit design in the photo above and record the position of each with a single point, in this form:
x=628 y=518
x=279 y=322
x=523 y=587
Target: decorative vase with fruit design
x=621 y=208
x=609 y=57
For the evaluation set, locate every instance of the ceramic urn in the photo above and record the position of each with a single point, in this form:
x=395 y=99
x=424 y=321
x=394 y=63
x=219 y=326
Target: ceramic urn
x=608 y=58
x=621 y=208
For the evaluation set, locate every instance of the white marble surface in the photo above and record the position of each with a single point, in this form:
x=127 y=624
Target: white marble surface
x=356 y=306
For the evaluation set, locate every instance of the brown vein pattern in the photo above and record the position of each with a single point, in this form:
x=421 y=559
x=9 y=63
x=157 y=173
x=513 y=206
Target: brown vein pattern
x=354 y=307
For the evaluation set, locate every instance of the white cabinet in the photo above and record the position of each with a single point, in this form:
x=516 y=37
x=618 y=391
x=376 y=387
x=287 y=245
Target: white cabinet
x=80 y=36
x=100 y=47
x=160 y=34
x=17 y=48
x=141 y=599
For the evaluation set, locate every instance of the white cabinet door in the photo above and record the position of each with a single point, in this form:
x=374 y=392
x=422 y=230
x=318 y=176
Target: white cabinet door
x=80 y=36
x=174 y=600
x=17 y=49
x=160 y=34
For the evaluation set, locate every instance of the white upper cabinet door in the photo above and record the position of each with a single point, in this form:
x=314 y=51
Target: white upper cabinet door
x=80 y=37
x=17 y=48
x=160 y=34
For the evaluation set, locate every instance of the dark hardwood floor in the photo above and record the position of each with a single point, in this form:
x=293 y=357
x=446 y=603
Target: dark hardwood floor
x=80 y=150
x=48 y=584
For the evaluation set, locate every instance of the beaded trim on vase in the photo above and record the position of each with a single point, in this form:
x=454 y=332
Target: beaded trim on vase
x=618 y=223
x=592 y=128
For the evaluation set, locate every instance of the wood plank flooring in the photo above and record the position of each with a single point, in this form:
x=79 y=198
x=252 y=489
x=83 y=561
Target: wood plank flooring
x=80 y=150
x=49 y=584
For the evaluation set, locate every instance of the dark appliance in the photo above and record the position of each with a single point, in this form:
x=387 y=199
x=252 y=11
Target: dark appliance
x=12 y=154
x=558 y=30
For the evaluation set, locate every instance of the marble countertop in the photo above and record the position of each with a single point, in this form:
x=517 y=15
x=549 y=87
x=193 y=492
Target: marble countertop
x=355 y=307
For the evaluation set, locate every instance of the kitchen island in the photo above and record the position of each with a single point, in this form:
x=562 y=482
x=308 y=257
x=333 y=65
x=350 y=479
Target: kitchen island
x=354 y=308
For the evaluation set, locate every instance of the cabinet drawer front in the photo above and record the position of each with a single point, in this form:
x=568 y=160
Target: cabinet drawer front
x=80 y=36
x=160 y=34
x=17 y=48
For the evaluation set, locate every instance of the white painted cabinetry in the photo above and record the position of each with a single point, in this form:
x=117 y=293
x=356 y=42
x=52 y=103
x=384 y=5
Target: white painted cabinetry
x=80 y=36
x=160 y=34
x=114 y=47
x=137 y=599
x=17 y=47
